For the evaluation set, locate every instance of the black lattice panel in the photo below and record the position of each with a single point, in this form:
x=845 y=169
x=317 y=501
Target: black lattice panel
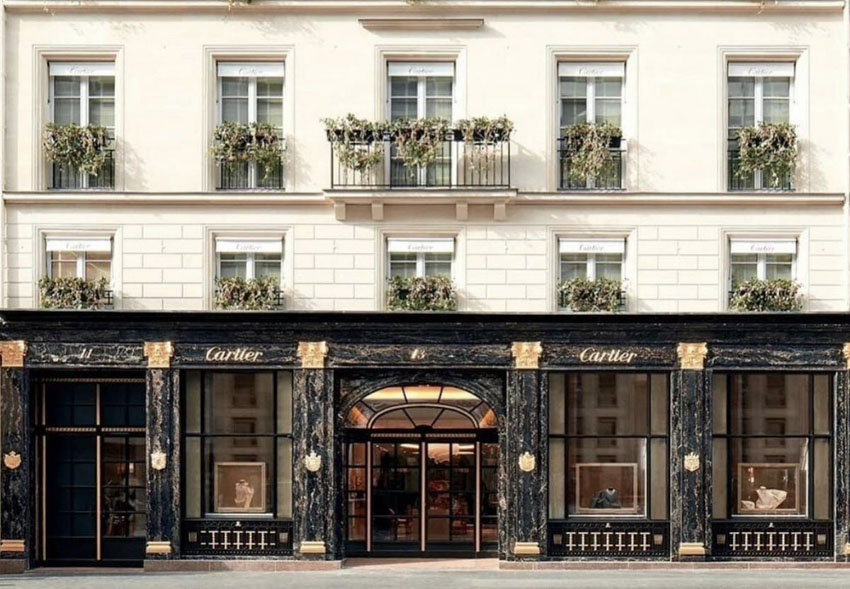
x=237 y=538
x=609 y=539
x=772 y=540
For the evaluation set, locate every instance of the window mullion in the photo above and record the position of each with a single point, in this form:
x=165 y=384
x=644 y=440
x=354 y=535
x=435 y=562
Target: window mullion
x=591 y=266
x=421 y=98
x=420 y=265
x=761 y=271
x=249 y=266
x=81 y=265
x=252 y=118
x=84 y=120
x=591 y=99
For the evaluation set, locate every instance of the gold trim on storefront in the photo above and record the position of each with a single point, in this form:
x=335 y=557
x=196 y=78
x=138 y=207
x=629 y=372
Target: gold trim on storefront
x=16 y=546
x=691 y=549
x=526 y=549
x=158 y=548
x=313 y=547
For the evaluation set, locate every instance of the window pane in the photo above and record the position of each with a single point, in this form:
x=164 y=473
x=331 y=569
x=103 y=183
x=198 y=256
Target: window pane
x=270 y=87
x=720 y=479
x=822 y=483
x=556 y=403
x=769 y=476
x=658 y=490
x=403 y=97
x=779 y=266
x=63 y=264
x=608 y=111
x=660 y=424
x=240 y=403
x=438 y=264
x=403 y=265
x=193 y=401
x=573 y=266
x=823 y=405
x=741 y=113
x=193 y=477
x=438 y=108
x=557 y=479
x=284 y=478
x=573 y=87
x=609 y=266
x=267 y=264
x=66 y=100
x=573 y=112
x=102 y=101
x=744 y=267
x=776 y=111
x=742 y=87
x=242 y=475
x=769 y=404
x=718 y=405
x=98 y=265
x=438 y=87
x=232 y=265
x=270 y=110
x=284 y=402
x=777 y=87
x=607 y=404
x=607 y=479
x=609 y=87
x=234 y=100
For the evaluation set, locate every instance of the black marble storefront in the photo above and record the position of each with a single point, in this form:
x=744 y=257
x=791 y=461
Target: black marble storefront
x=326 y=362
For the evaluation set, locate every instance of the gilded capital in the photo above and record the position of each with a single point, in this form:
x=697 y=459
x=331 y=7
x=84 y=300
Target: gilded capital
x=13 y=353
x=527 y=355
x=692 y=356
x=846 y=352
x=159 y=354
x=312 y=354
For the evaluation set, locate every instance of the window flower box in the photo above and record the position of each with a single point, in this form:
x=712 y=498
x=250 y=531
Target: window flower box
x=254 y=294
x=583 y=295
x=74 y=293
x=778 y=294
x=431 y=293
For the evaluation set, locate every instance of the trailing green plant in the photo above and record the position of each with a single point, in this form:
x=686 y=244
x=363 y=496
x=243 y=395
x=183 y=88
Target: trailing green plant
x=778 y=294
x=259 y=143
x=82 y=148
x=429 y=293
x=357 y=142
x=73 y=293
x=254 y=294
x=589 y=147
x=771 y=148
x=419 y=142
x=584 y=295
x=480 y=134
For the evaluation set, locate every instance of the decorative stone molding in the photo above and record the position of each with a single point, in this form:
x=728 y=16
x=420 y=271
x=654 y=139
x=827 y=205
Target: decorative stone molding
x=16 y=546
x=313 y=462
x=692 y=356
x=312 y=354
x=158 y=548
x=13 y=353
x=692 y=462
x=313 y=547
x=846 y=352
x=159 y=354
x=421 y=24
x=527 y=462
x=12 y=460
x=526 y=549
x=691 y=549
x=527 y=355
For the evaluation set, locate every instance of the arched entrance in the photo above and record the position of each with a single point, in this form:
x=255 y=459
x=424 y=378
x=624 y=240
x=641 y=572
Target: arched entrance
x=421 y=473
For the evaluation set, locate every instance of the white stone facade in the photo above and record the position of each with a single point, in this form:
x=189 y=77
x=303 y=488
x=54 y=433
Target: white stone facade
x=676 y=214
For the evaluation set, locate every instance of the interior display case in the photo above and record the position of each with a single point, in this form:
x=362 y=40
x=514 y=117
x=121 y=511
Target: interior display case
x=769 y=489
x=240 y=487
x=607 y=488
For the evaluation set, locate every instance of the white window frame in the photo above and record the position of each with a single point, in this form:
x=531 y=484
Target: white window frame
x=252 y=71
x=250 y=255
x=418 y=246
x=762 y=259
x=81 y=254
x=83 y=70
x=590 y=248
x=422 y=70
x=780 y=69
x=590 y=71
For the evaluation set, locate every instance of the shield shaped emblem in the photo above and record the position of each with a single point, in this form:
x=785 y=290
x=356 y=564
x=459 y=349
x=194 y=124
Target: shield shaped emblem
x=12 y=460
x=158 y=460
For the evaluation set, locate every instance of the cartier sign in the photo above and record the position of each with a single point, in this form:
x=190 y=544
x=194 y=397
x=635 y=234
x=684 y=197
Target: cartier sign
x=610 y=356
x=219 y=354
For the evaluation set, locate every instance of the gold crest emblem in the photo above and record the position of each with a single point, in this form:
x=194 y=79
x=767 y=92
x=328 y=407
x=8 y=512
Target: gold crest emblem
x=692 y=462
x=11 y=460
x=158 y=460
x=527 y=462
x=313 y=462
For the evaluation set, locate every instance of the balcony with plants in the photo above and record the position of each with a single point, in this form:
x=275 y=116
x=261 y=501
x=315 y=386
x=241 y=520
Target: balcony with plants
x=80 y=157
x=74 y=293
x=421 y=293
x=253 y=294
x=591 y=157
x=770 y=295
x=471 y=154
x=763 y=158
x=249 y=156
x=583 y=295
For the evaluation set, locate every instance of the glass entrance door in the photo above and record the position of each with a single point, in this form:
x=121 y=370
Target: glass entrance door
x=450 y=496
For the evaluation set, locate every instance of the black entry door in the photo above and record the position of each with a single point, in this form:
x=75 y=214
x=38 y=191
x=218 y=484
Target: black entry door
x=93 y=490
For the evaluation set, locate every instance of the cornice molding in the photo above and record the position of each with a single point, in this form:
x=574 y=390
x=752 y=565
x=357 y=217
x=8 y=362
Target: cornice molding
x=421 y=24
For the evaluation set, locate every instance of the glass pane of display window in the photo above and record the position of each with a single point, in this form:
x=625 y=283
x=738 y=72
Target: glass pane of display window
x=770 y=476
x=608 y=480
x=607 y=404
x=769 y=404
x=239 y=482
x=241 y=403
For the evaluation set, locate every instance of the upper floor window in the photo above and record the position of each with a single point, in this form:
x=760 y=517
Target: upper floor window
x=599 y=261
x=590 y=93
x=421 y=91
x=757 y=93
x=249 y=258
x=86 y=258
x=420 y=257
x=251 y=93
x=762 y=259
x=83 y=94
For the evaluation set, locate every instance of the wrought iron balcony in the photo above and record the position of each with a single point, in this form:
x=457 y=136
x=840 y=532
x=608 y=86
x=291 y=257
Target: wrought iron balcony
x=612 y=176
x=460 y=164
x=66 y=177
x=754 y=182
x=245 y=176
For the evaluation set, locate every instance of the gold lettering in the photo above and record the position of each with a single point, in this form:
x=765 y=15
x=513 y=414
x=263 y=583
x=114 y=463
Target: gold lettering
x=219 y=354
x=611 y=356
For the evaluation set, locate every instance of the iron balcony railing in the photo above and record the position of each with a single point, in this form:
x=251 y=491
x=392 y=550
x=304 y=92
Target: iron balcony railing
x=750 y=182
x=612 y=177
x=245 y=176
x=65 y=177
x=459 y=165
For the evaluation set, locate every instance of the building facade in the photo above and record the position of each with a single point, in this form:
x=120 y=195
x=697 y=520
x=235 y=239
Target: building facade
x=171 y=432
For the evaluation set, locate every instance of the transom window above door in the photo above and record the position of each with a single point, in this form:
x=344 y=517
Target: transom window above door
x=251 y=93
x=249 y=258
x=409 y=257
x=83 y=94
x=757 y=93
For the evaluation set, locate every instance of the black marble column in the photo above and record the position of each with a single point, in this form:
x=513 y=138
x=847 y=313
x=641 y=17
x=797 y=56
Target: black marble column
x=16 y=521
x=314 y=495
x=163 y=457
x=841 y=462
x=525 y=528
x=690 y=462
